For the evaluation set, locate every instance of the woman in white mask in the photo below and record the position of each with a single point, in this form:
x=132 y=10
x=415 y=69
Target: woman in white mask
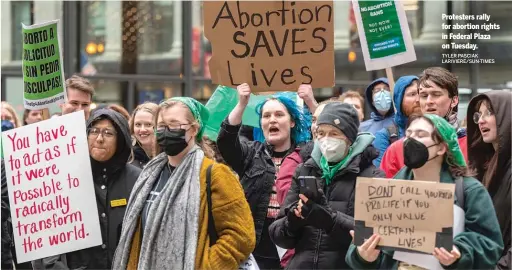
x=317 y=214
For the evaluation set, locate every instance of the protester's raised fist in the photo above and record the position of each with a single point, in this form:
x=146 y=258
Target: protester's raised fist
x=305 y=92
x=244 y=93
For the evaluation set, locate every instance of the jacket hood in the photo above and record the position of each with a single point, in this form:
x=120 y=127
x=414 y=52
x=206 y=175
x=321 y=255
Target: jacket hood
x=375 y=115
x=123 y=148
x=398 y=96
x=361 y=145
x=501 y=102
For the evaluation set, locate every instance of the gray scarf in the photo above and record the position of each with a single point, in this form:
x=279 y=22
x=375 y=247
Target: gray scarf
x=169 y=240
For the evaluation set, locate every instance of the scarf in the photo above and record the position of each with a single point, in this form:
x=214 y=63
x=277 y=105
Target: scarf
x=328 y=171
x=169 y=240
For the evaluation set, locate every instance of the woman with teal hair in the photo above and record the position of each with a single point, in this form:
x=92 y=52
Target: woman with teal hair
x=266 y=165
x=431 y=152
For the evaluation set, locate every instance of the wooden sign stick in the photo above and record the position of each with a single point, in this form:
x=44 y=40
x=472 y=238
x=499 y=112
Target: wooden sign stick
x=389 y=74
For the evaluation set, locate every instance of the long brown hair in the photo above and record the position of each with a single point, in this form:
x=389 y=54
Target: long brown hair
x=208 y=152
x=487 y=164
x=455 y=170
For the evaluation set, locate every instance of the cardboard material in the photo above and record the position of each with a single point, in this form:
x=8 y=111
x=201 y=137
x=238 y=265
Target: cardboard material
x=271 y=45
x=384 y=33
x=51 y=191
x=408 y=215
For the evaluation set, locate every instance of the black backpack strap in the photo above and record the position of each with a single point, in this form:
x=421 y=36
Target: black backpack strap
x=212 y=232
x=459 y=192
x=393 y=133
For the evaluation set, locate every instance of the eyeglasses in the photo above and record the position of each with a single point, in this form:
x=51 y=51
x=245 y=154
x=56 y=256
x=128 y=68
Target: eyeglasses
x=106 y=133
x=161 y=127
x=478 y=115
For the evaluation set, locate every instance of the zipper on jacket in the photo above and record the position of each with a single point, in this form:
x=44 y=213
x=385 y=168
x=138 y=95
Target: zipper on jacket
x=317 y=249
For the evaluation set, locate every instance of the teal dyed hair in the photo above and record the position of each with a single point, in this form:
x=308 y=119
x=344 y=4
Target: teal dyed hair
x=300 y=132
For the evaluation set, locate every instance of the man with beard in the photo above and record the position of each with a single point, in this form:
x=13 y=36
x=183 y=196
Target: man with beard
x=438 y=91
x=407 y=103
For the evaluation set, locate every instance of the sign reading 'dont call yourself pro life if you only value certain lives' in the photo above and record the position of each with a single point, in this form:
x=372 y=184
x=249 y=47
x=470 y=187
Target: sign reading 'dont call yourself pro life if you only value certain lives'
x=408 y=215
x=51 y=190
x=384 y=33
x=271 y=45
x=43 y=75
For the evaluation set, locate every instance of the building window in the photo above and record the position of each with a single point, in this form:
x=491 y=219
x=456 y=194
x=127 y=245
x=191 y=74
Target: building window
x=21 y=13
x=95 y=27
x=156 y=32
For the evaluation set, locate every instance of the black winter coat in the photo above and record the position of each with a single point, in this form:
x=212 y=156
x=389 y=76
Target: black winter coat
x=113 y=180
x=314 y=248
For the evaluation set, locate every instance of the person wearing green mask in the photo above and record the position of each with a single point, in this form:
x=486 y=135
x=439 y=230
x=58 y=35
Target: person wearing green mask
x=432 y=153
x=316 y=223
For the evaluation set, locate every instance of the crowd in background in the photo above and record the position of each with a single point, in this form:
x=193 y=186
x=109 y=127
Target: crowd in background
x=197 y=203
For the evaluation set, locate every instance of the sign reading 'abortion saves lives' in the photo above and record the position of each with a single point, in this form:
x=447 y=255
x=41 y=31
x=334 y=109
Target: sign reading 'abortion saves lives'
x=271 y=45
x=51 y=189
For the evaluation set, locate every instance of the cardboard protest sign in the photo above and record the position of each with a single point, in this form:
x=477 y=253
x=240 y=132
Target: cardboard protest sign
x=271 y=45
x=408 y=215
x=384 y=33
x=43 y=74
x=51 y=191
x=224 y=100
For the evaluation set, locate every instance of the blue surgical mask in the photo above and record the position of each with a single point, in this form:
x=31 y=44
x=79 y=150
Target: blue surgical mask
x=382 y=100
x=7 y=125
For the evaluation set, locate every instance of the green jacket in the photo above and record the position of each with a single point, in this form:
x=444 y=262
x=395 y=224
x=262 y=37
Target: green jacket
x=480 y=244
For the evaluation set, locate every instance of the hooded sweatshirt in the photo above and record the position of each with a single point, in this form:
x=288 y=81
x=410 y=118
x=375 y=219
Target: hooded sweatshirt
x=377 y=121
x=382 y=137
x=479 y=154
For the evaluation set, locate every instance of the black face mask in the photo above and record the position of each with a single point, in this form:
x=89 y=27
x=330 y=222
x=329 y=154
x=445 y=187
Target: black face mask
x=172 y=141
x=415 y=153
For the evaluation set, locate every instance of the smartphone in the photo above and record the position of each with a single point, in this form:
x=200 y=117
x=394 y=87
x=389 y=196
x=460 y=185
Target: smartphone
x=308 y=187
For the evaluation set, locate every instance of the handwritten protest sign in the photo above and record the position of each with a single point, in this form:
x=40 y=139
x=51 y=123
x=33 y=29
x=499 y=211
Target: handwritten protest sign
x=51 y=190
x=43 y=75
x=408 y=215
x=384 y=33
x=271 y=45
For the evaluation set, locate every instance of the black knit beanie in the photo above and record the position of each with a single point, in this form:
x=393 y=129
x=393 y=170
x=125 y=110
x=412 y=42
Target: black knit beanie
x=341 y=116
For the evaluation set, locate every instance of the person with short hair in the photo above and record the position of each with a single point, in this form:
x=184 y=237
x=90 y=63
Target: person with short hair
x=79 y=96
x=489 y=134
x=378 y=96
x=438 y=94
x=432 y=153
x=356 y=100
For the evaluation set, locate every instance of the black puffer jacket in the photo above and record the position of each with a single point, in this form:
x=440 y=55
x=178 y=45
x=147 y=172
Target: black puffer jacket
x=314 y=248
x=113 y=180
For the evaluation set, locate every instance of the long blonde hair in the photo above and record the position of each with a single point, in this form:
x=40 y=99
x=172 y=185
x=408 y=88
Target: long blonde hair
x=10 y=109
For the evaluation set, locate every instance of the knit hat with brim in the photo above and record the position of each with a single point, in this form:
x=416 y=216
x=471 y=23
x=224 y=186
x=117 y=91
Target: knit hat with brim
x=449 y=136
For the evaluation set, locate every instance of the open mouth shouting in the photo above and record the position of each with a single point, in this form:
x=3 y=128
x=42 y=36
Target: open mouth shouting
x=484 y=131
x=273 y=131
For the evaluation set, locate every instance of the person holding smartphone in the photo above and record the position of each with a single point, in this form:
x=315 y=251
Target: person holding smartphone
x=317 y=214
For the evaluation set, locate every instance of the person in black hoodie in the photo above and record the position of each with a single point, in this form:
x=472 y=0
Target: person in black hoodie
x=142 y=126
x=317 y=223
x=489 y=134
x=109 y=143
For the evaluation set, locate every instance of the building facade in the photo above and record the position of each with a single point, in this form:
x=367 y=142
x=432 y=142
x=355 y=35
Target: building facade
x=149 y=50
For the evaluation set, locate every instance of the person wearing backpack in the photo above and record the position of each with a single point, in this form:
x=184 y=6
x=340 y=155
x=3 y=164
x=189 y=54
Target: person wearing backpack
x=432 y=153
x=317 y=224
x=407 y=103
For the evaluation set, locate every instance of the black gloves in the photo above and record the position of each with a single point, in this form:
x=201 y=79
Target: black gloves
x=319 y=215
x=294 y=223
